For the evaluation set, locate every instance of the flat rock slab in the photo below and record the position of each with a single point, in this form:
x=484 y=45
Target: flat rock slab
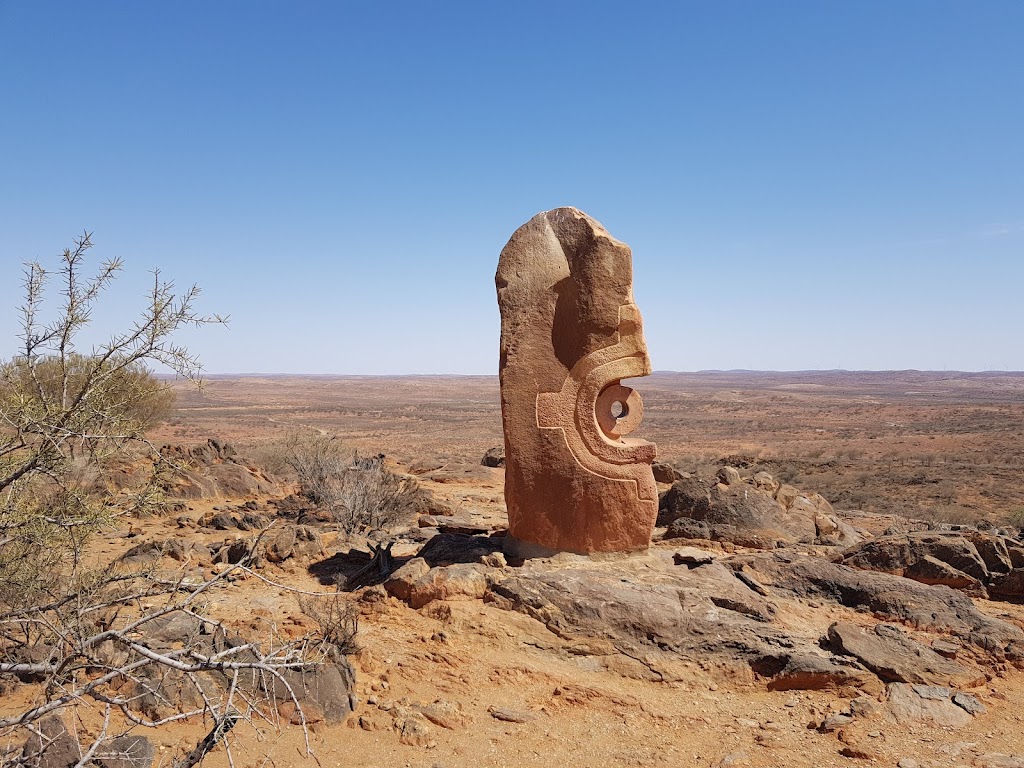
x=907 y=705
x=895 y=658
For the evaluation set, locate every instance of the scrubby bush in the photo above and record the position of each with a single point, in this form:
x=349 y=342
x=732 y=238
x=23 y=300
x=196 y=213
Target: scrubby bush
x=361 y=493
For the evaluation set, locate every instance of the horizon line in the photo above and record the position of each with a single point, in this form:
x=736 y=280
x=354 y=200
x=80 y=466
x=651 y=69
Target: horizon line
x=254 y=374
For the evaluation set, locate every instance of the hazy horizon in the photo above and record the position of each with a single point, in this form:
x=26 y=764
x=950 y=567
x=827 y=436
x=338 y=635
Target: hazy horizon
x=656 y=372
x=805 y=186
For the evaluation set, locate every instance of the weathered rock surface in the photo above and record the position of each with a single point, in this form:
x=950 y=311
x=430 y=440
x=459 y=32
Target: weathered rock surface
x=462 y=581
x=895 y=658
x=891 y=597
x=915 y=703
x=894 y=554
x=570 y=331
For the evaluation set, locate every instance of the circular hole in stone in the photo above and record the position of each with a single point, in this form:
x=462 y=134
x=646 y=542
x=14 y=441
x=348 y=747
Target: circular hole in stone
x=619 y=410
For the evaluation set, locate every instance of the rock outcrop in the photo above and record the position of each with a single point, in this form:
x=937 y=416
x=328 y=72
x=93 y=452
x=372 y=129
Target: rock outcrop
x=755 y=511
x=977 y=563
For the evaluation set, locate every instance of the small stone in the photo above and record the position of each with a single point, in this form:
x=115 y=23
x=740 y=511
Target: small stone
x=510 y=715
x=747 y=722
x=835 y=722
x=908 y=762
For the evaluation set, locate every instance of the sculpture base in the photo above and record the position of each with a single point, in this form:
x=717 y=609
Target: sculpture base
x=517 y=549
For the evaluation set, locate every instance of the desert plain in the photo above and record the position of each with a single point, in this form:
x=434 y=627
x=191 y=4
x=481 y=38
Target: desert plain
x=503 y=687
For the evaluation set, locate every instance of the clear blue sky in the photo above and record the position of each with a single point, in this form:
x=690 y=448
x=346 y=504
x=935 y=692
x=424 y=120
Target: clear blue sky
x=804 y=184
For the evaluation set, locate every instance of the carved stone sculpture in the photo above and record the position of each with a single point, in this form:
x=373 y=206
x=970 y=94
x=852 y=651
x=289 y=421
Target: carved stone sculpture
x=569 y=333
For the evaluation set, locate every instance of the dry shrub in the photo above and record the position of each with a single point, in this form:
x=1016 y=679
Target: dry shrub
x=336 y=618
x=361 y=492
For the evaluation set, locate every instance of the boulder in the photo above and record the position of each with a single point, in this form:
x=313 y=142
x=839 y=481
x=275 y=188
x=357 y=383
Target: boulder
x=665 y=473
x=463 y=581
x=729 y=476
x=805 y=672
x=1008 y=585
x=736 y=512
x=131 y=751
x=786 y=495
x=52 y=747
x=399 y=584
x=494 y=457
x=765 y=482
x=294 y=541
x=688 y=498
x=992 y=549
x=324 y=691
x=450 y=548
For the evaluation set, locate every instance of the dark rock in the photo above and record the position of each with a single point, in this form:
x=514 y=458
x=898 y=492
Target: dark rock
x=131 y=751
x=232 y=551
x=52 y=747
x=689 y=497
x=325 y=691
x=666 y=473
x=1016 y=554
x=894 y=657
x=686 y=528
x=450 y=548
x=252 y=522
x=1009 y=585
x=992 y=549
x=494 y=457
x=219 y=521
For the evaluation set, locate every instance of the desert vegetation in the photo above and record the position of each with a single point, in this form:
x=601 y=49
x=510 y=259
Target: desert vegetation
x=130 y=645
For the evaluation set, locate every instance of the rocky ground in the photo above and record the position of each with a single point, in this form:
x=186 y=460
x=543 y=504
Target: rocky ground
x=763 y=628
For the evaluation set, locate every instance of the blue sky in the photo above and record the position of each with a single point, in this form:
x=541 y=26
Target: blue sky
x=804 y=184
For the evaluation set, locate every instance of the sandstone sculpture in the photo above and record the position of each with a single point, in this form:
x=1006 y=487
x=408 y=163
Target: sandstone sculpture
x=569 y=333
